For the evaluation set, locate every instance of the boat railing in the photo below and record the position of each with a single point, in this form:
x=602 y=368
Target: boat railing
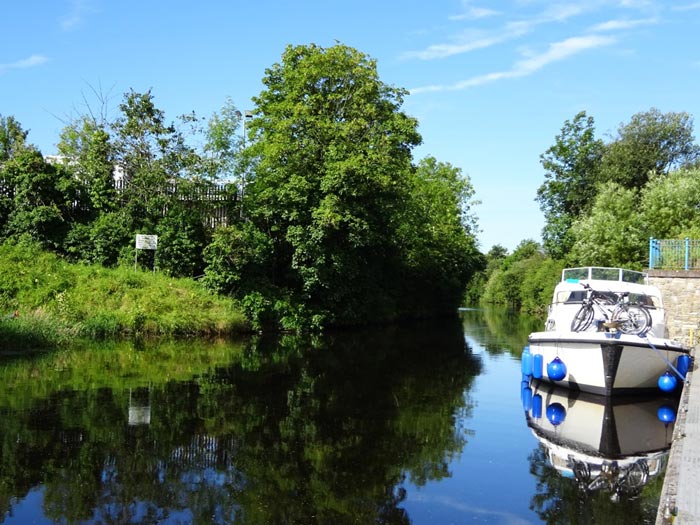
x=601 y=273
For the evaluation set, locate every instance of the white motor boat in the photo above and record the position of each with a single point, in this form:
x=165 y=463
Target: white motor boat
x=606 y=334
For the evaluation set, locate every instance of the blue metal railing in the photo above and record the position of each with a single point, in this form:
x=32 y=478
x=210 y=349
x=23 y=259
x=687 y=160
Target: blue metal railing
x=674 y=254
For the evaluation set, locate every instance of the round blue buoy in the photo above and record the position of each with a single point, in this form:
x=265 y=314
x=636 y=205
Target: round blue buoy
x=683 y=365
x=556 y=370
x=537 y=406
x=537 y=361
x=556 y=414
x=526 y=361
x=666 y=414
x=667 y=382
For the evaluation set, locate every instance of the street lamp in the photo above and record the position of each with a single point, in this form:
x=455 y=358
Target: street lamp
x=245 y=116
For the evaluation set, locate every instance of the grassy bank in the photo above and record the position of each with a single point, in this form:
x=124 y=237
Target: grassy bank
x=46 y=301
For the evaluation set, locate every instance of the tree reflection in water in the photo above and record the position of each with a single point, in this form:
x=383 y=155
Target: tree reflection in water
x=290 y=431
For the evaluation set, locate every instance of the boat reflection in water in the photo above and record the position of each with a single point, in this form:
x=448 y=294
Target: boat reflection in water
x=604 y=443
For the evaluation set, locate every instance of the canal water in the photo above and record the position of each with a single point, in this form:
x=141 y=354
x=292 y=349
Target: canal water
x=427 y=424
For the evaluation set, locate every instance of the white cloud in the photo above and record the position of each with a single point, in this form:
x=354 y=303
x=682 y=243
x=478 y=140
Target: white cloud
x=556 y=52
x=474 y=13
x=687 y=7
x=636 y=4
x=469 y=41
x=32 y=61
x=474 y=40
x=562 y=12
x=616 y=25
x=561 y=50
x=78 y=10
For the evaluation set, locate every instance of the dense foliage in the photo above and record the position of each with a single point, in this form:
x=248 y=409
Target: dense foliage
x=45 y=301
x=340 y=227
x=336 y=225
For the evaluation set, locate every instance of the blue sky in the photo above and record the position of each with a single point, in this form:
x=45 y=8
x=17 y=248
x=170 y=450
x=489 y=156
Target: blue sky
x=491 y=82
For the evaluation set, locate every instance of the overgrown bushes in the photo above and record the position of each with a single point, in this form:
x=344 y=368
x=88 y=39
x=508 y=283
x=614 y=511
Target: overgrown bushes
x=57 y=301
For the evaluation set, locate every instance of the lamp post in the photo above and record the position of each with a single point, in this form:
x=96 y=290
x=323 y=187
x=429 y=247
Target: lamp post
x=245 y=116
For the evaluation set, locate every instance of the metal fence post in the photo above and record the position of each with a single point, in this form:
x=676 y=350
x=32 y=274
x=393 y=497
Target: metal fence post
x=651 y=253
x=687 y=252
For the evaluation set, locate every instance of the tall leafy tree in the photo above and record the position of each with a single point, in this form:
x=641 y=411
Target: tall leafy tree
x=437 y=234
x=571 y=167
x=224 y=142
x=12 y=137
x=332 y=161
x=89 y=154
x=652 y=142
x=154 y=156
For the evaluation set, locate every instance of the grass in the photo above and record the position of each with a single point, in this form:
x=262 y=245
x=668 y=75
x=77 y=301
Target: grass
x=58 y=302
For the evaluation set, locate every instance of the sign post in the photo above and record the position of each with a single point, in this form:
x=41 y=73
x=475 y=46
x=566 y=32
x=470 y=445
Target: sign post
x=145 y=242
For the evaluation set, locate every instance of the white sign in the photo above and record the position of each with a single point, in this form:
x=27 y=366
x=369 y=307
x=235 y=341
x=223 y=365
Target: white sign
x=146 y=242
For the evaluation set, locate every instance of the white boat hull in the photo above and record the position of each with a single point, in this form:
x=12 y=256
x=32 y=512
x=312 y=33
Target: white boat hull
x=606 y=364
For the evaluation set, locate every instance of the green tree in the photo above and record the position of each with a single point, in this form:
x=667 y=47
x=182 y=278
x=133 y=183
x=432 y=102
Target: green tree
x=521 y=280
x=651 y=143
x=88 y=152
x=571 y=173
x=154 y=155
x=12 y=137
x=237 y=259
x=437 y=234
x=670 y=205
x=223 y=142
x=331 y=170
x=43 y=201
x=613 y=233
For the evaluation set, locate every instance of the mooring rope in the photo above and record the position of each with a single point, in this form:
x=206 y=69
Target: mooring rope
x=681 y=376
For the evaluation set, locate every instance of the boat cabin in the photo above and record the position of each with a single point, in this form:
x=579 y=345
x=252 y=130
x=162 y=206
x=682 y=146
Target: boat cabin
x=571 y=291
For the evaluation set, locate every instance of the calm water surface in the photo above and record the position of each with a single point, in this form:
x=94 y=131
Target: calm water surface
x=427 y=424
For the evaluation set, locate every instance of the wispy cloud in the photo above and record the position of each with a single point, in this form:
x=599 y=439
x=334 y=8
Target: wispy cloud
x=636 y=4
x=25 y=63
x=474 y=13
x=687 y=7
x=473 y=40
x=556 y=52
x=468 y=41
x=75 y=16
x=617 y=25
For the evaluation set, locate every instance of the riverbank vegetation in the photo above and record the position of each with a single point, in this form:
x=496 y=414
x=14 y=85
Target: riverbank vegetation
x=47 y=301
x=319 y=216
x=602 y=201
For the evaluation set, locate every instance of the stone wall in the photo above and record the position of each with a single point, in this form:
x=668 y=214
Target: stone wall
x=680 y=290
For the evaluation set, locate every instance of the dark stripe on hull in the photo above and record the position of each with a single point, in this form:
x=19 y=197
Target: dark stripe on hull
x=611 y=360
x=597 y=341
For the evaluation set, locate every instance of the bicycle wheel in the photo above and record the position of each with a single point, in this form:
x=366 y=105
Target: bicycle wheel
x=632 y=319
x=582 y=319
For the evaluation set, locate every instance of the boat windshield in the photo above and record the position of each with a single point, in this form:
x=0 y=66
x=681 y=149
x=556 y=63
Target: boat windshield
x=603 y=274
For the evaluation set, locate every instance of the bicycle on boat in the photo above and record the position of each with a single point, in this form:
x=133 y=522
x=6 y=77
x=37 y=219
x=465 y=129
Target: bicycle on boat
x=617 y=312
